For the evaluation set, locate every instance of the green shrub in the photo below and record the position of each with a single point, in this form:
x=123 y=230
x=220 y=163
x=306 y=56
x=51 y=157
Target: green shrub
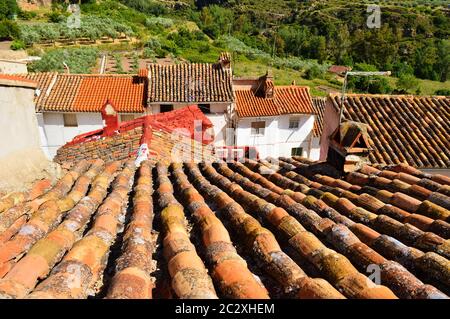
x=445 y=92
x=369 y=84
x=91 y=27
x=163 y=22
x=79 y=60
x=8 y=30
x=146 y=6
x=55 y=17
x=118 y=60
x=314 y=72
x=17 y=45
x=148 y=53
x=204 y=48
x=27 y=15
x=408 y=83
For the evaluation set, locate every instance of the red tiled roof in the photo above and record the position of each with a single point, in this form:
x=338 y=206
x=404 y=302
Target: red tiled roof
x=189 y=83
x=44 y=80
x=286 y=100
x=319 y=108
x=88 y=93
x=405 y=129
x=290 y=230
x=16 y=78
x=339 y=69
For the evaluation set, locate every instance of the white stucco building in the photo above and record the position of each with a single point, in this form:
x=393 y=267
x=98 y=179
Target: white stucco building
x=69 y=104
x=207 y=85
x=277 y=120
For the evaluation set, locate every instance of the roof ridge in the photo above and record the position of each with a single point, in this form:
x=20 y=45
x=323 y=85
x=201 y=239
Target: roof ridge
x=387 y=95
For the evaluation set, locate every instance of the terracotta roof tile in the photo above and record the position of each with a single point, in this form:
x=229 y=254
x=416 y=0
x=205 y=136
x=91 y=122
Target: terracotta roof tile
x=16 y=78
x=285 y=229
x=179 y=133
x=319 y=108
x=405 y=129
x=339 y=69
x=286 y=100
x=187 y=83
x=88 y=93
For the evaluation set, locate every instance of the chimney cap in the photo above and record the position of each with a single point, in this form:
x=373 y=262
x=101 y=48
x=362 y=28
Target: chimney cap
x=225 y=60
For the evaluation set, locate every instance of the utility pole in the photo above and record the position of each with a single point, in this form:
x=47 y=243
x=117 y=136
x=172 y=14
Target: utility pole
x=344 y=87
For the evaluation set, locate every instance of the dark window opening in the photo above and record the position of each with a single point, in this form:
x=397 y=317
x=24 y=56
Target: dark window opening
x=206 y=108
x=297 y=151
x=258 y=128
x=166 y=108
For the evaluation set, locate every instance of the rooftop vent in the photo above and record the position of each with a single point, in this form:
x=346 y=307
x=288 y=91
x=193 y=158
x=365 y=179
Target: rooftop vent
x=350 y=146
x=225 y=60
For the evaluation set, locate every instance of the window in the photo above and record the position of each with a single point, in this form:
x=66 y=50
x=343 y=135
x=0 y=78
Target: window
x=206 y=108
x=126 y=117
x=297 y=151
x=70 y=120
x=258 y=128
x=294 y=123
x=166 y=108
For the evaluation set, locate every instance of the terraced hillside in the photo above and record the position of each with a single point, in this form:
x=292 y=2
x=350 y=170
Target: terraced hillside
x=228 y=230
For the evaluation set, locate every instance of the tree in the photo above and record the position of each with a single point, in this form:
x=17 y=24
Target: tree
x=444 y=92
x=401 y=68
x=204 y=3
x=8 y=30
x=425 y=59
x=443 y=60
x=314 y=72
x=373 y=84
x=340 y=43
x=319 y=48
x=215 y=20
x=8 y=8
x=408 y=82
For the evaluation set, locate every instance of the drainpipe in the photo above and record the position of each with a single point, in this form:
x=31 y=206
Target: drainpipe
x=311 y=136
x=66 y=67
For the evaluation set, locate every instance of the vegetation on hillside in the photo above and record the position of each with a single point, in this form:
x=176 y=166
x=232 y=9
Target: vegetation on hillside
x=79 y=60
x=91 y=27
x=299 y=38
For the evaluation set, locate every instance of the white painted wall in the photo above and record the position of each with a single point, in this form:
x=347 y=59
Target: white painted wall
x=13 y=67
x=315 y=149
x=278 y=138
x=18 y=125
x=54 y=134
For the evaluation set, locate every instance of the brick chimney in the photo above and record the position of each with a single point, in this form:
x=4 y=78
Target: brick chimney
x=110 y=119
x=266 y=87
x=225 y=60
x=349 y=146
